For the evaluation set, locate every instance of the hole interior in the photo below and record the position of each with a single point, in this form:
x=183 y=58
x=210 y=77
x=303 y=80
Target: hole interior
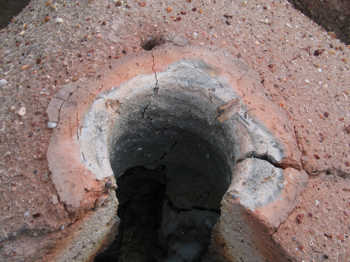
x=172 y=167
x=172 y=156
x=152 y=42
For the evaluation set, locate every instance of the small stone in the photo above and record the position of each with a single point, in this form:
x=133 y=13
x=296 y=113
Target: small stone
x=21 y=111
x=266 y=21
x=51 y=124
x=47 y=19
x=25 y=67
x=3 y=82
x=59 y=20
x=54 y=200
x=118 y=3
x=53 y=7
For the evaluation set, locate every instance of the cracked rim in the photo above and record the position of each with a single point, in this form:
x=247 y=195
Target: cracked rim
x=206 y=92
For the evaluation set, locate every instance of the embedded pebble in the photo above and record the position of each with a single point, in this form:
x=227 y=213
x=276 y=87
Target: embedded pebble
x=59 y=20
x=51 y=124
x=3 y=82
x=54 y=200
x=21 y=111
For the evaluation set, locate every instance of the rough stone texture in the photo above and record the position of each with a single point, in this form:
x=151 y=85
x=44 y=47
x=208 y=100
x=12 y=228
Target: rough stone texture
x=306 y=233
x=303 y=70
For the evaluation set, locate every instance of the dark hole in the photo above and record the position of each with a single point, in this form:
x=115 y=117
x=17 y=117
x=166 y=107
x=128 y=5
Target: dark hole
x=36 y=215
x=141 y=195
x=169 y=207
x=152 y=42
x=172 y=170
x=9 y=9
x=153 y=228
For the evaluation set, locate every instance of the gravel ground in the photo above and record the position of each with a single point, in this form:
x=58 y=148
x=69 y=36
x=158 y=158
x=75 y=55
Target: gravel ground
x=51 y=43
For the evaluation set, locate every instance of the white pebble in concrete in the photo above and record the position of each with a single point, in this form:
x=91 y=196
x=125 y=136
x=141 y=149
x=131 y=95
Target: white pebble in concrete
x=3 y=82
x=51 y=124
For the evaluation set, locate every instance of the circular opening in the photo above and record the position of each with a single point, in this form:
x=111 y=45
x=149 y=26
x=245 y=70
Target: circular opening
x=152 y=42
x=173 y=140
x=172 y=171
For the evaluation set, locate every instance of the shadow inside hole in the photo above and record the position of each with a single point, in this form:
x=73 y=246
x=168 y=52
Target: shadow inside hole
x=152 y=42
x=168 y=209
x=9 y=9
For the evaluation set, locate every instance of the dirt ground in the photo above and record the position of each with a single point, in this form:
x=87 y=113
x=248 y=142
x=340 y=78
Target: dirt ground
x=304 y=70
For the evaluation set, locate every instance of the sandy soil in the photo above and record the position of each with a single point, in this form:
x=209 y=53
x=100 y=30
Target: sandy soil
x=303 y=69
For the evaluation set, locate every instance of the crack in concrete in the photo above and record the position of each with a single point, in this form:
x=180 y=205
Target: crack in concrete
x=62 y=104
x=145 y=109
x=193 y=208
x=156 y=87
x=69 y=213
x=266 y=157
x=301 y=149
x=166 y=153
x=34 y=232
